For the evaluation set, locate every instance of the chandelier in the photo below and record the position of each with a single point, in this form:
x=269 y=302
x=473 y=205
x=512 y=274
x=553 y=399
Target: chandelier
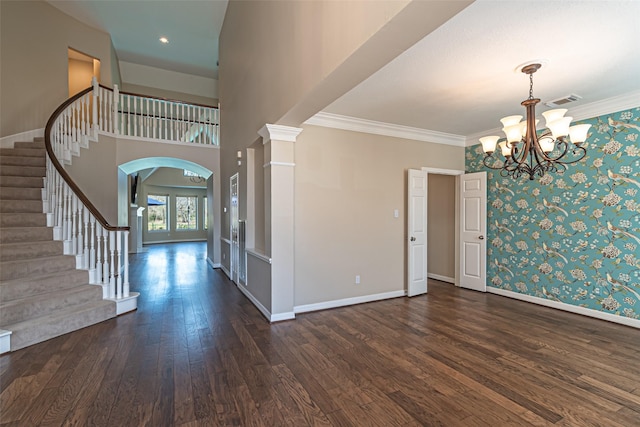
x=526 y=153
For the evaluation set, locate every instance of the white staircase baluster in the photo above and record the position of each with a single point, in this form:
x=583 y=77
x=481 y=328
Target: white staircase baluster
x=118 y=264
x=85 y=252
x=74 y=224
x=105 y=256
x=112 y=266
x=94 y=112
x=116 y=116
x=92 y=250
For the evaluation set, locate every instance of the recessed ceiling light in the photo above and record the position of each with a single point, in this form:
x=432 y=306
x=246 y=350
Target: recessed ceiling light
x=164 y=40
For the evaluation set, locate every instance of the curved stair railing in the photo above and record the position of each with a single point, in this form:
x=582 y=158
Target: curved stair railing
x=99 y=247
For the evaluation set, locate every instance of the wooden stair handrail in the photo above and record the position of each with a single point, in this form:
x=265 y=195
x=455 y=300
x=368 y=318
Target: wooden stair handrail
x=63 y=173
x=173 y=101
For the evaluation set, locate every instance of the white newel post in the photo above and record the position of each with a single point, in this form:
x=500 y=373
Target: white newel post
x=279 y=156
x=94 y=115
x=118 y=265
x=125 y=284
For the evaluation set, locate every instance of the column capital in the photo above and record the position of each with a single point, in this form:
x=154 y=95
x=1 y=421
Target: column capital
x=270 y=132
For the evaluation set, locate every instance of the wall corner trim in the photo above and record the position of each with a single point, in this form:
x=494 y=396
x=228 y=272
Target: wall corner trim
x=634 y=323
x=270 y=132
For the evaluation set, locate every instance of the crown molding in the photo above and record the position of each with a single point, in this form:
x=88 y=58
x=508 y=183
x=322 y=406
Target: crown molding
x=270 y=132
x=587 y=111
x=354 y=124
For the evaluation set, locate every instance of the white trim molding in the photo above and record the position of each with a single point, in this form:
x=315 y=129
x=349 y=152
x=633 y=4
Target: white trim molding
x=266 y=313
x=270 y=132
x=634 y=323
x=268 y=165
x=225 y=271
x=213 y=265
x=262 y=257
x=441 y=278
x=354 y=124
x=9 y=140
x=347 y=301
x=581 y=112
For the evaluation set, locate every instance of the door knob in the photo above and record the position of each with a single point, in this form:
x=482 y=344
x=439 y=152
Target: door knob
x=413 y=239
x=481 y=237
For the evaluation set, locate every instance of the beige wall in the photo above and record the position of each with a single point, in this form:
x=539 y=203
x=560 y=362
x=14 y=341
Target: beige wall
x=34 y=38
x=283 y=61
x=441 y=204
x=348 y=185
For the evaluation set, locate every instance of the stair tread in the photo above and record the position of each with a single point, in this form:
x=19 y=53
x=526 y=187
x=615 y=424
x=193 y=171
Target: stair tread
x=58 y=314
x=52 y=275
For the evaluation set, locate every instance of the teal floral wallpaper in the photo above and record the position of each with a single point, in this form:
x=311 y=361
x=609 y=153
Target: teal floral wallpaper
x=572 y=237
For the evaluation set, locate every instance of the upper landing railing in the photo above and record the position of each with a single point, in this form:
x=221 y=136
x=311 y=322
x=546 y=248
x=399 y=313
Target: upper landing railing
x=100 y=247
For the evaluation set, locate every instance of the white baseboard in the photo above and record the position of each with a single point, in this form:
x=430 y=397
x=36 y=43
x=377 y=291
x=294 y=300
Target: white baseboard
x=266 y=313
x=634 y=323
x=213 y=265
x=10 y=140
x=5 y=341
x=159 y=242
x=347 y=301
x=441 y=278
x=227 y=272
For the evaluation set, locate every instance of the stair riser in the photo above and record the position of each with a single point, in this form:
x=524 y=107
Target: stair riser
x=22 y=161
x=30 y=250
x=23 y=171
x=10 y=270
x=28 y=308
x=21 y=181
x=23 y=220
x=42 y=332
x=21 y=206
x=26 y=234
x=18 y=193
x=29 y=145
x=17 y=289
x=22 y=152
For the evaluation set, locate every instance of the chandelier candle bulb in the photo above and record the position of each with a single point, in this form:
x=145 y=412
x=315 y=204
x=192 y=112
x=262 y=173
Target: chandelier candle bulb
x=552 y=115
x=489 y=143
x=560 y=127
x=578 y=133
x=546 y=144
x=506 y=150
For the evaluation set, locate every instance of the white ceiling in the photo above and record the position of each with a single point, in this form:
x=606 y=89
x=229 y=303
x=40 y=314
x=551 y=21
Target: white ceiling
x=192 y=27
x=459 y=80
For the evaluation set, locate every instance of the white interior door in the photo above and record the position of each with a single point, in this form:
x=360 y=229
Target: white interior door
x=473 y=231
x=417 y=233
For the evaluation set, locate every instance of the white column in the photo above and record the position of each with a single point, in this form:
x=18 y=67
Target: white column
x=279 y=163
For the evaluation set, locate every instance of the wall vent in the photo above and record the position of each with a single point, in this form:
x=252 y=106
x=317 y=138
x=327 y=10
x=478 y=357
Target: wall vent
x=564 y=100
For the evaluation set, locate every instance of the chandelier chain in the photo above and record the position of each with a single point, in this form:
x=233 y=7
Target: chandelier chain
x=531 y=86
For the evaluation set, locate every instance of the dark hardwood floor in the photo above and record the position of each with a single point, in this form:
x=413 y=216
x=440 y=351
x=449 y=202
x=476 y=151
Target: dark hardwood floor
x=198 y=353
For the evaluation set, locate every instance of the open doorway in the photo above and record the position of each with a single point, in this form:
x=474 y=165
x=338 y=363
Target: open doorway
x=81 y=69
x=441 y=227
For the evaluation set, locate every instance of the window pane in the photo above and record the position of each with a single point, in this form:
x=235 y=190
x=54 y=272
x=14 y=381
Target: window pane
x=186 y=212
x=157 y=212
x=205 y=213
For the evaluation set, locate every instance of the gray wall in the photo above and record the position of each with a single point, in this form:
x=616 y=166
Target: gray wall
x=441 y=215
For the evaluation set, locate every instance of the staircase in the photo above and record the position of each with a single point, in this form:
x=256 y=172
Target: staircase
x=42 y=294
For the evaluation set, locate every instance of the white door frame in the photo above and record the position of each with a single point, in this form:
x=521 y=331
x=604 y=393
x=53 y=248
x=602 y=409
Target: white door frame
x=456 y=173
